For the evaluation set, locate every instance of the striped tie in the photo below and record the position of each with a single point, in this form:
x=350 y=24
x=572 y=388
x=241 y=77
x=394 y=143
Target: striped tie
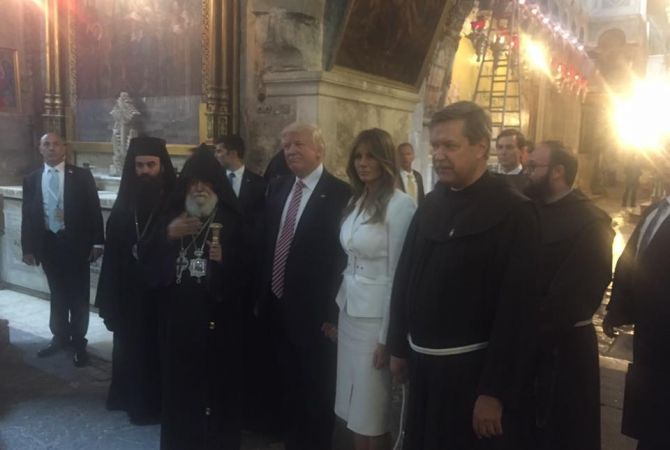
x=55 y=223
x=285 y=239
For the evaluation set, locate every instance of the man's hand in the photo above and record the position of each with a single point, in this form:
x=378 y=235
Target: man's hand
x=215 y=253
x=487 y=417
x=380 y=359
x=30 y=260
x=183 y=225
x=398 y=369
x=96 y=252
x=608 y=328
x=329 y=330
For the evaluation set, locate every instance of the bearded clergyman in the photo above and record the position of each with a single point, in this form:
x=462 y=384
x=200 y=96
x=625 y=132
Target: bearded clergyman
x=201 y=394
x=133 y=280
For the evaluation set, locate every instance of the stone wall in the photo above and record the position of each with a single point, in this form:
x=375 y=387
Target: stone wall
x=288 y=47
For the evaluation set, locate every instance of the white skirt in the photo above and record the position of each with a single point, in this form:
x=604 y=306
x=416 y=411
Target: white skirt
x=363 y=398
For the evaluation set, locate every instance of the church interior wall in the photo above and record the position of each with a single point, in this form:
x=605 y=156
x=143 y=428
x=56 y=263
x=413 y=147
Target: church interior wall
x=21 y=33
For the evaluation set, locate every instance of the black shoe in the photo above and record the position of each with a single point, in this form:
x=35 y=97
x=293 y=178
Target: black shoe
x=51 y=349
x=80 y=358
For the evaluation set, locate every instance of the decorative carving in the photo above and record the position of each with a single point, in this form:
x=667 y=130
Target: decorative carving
x=54 y=117
x=205 y=47
x=124 y=112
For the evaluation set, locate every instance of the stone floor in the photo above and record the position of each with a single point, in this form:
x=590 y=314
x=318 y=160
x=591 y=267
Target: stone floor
x=49 y=404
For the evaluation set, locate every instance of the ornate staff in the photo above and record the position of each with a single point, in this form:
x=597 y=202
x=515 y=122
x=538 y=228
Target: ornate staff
x=215 y=228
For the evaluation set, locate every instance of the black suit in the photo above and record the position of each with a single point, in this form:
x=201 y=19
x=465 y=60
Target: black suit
x=420 y=194
x=64 y=256
x=258 y=395
x=252 y=193
x=640 y=297
x=312 y=277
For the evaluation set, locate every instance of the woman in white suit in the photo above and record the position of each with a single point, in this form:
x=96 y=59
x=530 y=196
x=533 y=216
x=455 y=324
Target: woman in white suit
x=373 y=230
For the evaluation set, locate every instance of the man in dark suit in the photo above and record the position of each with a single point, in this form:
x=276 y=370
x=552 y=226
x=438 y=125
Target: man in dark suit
x=62 y=230
x=302 y=273
x=410 y=181
x=640 y=297
x=249 y=187
x=511 y=150
x=250 y=190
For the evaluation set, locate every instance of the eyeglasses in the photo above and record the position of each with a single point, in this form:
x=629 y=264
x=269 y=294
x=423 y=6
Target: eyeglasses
x=531 y=167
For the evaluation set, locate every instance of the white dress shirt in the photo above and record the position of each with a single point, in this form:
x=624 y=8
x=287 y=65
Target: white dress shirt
x=405 y=175
x=499 y=169
x=648 y=220
x=310 y=182
x=237 y=181
x=46 y=191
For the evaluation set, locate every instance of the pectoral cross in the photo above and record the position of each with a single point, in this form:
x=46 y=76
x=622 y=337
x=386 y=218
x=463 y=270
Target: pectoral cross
x=182 y=265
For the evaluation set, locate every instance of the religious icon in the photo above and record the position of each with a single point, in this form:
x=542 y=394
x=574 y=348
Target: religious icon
x=9 y=80
x=198 y=265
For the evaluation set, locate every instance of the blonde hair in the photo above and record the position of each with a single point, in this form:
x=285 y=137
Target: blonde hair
x=307 y=128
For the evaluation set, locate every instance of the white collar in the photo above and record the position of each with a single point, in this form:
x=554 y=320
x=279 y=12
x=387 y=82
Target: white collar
x=517 y=170
x=313 y=178
x=238 y=173
x=407 y=172
x=60 y=167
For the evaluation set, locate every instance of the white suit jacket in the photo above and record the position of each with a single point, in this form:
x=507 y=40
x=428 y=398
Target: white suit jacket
x=373 y=250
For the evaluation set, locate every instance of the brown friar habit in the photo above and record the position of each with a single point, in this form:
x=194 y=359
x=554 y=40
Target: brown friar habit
x=131 y=289
x=640 y=297
x=575 y=269
x=202 y=384
x=462 y=279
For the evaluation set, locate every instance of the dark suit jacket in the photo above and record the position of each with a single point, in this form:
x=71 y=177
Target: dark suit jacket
x=316 y=259
x=640 y=297
x=252 y=204
x=252 y=193
x=82 y=214
x=420 y=194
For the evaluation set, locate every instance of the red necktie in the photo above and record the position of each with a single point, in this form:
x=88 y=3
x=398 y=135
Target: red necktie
x=285 y=239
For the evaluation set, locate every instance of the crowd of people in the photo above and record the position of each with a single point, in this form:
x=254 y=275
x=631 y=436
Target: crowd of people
x=280 y=303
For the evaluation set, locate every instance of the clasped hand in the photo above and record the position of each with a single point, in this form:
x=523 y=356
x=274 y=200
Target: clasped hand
x=183 y=225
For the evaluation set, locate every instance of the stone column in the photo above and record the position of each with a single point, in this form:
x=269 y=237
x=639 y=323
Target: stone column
x=222 y=68
x=54 y=115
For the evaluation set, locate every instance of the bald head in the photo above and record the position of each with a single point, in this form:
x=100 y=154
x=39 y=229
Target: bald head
x=52 y=149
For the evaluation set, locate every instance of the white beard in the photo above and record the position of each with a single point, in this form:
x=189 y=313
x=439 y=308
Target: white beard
x=201 y=208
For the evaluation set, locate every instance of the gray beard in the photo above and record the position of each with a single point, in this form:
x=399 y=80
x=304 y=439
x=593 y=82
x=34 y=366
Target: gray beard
x=201 y=211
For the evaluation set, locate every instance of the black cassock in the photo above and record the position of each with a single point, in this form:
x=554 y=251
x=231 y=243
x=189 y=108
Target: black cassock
x=575 y=269
x=201 y=406
x=463 y=279
x=130 y=296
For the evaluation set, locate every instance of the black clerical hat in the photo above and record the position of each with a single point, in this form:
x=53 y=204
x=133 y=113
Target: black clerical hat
x=143 y=146
x=147 y=146
x=202 y=165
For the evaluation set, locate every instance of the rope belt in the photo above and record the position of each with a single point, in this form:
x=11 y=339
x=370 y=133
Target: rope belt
x=447 y=351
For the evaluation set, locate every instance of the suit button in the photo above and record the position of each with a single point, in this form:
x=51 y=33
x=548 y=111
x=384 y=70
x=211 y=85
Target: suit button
x=212 y=325
x=208 y=412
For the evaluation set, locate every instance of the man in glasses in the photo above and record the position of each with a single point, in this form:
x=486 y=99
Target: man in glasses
x=574 y=270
